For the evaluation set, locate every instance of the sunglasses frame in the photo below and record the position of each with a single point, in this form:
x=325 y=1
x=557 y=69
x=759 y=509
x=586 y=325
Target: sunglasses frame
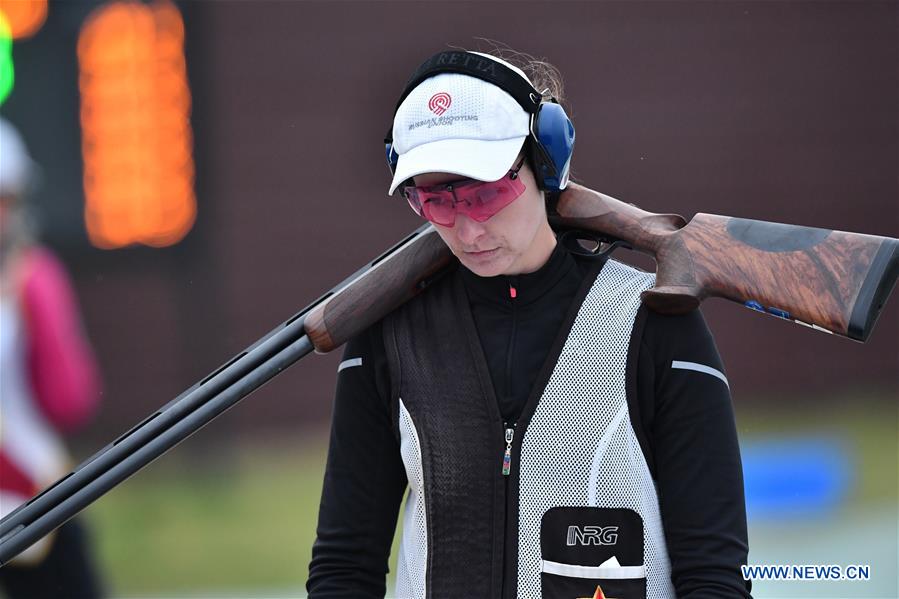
x=411 y=191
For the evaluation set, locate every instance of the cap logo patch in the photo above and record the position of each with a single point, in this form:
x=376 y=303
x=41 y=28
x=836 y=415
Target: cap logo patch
x=439 y=102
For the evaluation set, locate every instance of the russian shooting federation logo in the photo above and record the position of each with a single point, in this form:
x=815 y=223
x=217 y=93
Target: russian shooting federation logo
x=439 y=102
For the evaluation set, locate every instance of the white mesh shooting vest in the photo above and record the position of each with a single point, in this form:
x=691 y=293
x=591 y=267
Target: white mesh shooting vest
x=587 y=509
x=580 y=449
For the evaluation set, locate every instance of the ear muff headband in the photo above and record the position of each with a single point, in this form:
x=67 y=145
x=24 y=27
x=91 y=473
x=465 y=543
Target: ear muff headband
x=552 y=132
x=475 y=65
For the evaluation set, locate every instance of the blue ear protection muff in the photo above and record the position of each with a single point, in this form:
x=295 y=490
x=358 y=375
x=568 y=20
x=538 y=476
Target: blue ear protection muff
x=551 y=142
x=554 y=135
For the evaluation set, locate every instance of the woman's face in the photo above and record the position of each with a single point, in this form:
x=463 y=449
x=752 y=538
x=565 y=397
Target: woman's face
x=515 y=240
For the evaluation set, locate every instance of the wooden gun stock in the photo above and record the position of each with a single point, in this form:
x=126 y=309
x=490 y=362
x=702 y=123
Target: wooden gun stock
x=391 y=280
x=829 y=280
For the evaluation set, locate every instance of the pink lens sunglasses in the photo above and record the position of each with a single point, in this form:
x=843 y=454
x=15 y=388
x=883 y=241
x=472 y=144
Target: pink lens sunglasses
x=479 y=200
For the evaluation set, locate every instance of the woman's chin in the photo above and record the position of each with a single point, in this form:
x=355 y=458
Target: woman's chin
x=485 y=264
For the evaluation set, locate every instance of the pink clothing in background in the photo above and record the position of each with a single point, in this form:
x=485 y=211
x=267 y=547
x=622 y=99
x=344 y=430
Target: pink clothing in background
x=61 y=365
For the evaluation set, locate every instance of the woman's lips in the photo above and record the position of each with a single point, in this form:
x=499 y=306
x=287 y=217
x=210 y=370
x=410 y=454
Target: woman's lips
x=484 y=254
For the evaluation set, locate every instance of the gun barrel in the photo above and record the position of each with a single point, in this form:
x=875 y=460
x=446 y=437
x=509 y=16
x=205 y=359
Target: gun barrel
x=218 y=381
x=24 y=532
x=360 y=299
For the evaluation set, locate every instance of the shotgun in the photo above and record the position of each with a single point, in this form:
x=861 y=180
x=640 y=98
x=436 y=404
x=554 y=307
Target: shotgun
x=832 y=281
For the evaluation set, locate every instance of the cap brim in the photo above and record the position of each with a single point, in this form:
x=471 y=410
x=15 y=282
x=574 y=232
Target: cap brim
x=470 y=158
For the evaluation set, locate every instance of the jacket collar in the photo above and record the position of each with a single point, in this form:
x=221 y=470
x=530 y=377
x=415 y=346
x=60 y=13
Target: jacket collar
x=529 y=287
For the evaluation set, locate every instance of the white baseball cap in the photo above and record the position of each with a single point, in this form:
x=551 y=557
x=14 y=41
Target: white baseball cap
x=454 y=123
x=16 y=166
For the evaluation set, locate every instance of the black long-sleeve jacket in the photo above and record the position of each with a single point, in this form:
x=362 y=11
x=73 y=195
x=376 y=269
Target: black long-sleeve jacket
x=685 y=425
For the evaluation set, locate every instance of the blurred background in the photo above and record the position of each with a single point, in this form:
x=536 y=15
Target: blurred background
x=209 y=168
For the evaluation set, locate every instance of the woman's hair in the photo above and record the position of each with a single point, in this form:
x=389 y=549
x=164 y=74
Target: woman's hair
x=545 y=77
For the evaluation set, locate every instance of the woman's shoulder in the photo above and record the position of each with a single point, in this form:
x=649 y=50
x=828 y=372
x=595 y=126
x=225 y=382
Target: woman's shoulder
x=670 y=339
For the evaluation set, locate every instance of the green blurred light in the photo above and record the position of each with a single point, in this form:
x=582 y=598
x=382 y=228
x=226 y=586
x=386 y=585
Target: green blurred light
x=7 y=75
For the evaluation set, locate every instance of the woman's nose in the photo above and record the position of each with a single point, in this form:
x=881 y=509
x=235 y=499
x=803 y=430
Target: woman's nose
x=467 y=229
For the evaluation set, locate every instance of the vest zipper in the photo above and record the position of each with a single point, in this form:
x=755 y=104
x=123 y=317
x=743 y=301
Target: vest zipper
x=507 y=456
x=508 y=564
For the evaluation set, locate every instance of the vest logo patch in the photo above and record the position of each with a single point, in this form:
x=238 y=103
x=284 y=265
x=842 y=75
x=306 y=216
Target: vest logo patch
x=598 y=594
x=592 y=535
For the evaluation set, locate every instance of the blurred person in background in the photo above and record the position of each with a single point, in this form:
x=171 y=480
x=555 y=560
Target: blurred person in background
x=557 y=438
x=49 y=386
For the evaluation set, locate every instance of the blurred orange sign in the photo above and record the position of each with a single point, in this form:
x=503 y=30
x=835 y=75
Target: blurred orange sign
x=135 y=120
x=24 y=17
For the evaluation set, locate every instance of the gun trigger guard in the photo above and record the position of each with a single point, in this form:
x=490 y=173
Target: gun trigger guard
x=605 y=245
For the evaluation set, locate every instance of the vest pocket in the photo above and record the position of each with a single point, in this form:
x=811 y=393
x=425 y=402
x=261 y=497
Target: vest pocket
x=583 y=548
